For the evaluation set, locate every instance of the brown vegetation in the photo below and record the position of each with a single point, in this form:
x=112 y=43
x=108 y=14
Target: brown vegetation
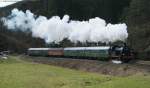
x=107 y=68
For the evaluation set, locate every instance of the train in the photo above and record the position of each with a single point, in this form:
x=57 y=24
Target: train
x=122 y=53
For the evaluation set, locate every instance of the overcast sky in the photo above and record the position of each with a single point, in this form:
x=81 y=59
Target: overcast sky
x=4 y=3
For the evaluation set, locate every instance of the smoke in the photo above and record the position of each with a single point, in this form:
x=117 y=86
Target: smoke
x=56 y=29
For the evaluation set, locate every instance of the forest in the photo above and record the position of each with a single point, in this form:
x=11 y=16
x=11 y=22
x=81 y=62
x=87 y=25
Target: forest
x=135 y=13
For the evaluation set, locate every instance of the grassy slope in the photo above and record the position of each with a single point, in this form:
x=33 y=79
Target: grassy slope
x=15 y=73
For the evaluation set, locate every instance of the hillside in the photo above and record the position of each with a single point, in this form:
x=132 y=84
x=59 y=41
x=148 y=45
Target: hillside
x=135 y=13
x=137 y=16
x=16 y=73
x=77 y=9
x=17 y=41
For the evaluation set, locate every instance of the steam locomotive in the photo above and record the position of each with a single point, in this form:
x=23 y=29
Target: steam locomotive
x=122 y=53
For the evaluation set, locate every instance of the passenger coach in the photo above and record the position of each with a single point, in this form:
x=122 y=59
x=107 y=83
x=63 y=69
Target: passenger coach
x=101 y=53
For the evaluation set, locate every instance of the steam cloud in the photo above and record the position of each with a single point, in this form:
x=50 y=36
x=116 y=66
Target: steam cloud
x=56 y=29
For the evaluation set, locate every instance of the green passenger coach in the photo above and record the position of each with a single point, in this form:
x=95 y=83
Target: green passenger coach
x=97 y=52
x=38 y=51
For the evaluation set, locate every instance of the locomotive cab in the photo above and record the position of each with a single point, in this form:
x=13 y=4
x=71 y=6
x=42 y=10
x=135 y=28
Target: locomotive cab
x=123 y=53
x=115 y=52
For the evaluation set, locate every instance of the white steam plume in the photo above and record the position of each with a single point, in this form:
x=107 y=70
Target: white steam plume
x=56 y=29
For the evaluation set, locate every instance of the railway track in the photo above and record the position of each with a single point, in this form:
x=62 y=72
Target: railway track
x=96 y=66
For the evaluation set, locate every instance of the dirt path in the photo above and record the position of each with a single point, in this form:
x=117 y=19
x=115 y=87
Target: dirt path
x=107 y=68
